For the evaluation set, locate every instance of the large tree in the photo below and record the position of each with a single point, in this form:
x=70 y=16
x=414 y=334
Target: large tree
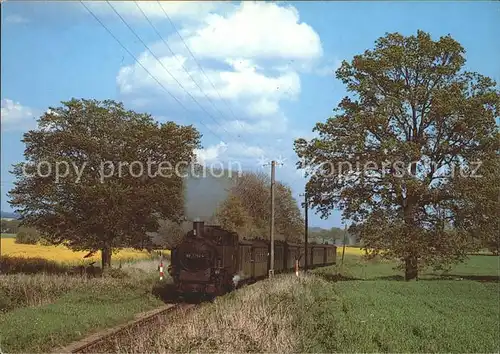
x=231 y=215
x=414 y=129
x=247 y=209
x=289 y=220
x=82 y=184
x=170 y=233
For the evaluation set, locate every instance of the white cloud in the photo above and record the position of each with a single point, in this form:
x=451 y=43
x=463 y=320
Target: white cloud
x=245 y=83
x=15 y=116
x=238 y=149
x=15 y=19
x=263 y=107
x=227 y=151
x=256 y=30
x=274 y=125
x=240 y=51
x=329 y=68
x=182 y=10
x=210 y=154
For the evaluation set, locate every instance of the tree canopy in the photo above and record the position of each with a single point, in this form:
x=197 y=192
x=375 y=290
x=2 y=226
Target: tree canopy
x=402 y=151
x=246 y=209
x=82 y=183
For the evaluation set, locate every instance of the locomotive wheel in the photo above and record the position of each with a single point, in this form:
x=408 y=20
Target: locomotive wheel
x=230 y=286
x=193 y=298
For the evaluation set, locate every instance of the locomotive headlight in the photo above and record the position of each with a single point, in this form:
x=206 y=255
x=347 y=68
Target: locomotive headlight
x=216 y=271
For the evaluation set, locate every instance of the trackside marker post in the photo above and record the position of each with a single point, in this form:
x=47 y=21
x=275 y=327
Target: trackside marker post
x=161 y=267
x=296 y=267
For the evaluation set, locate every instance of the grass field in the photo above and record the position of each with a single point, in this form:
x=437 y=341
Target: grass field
x=457 y=311
x=43 y=305
x=371 y=310
x=8 y=235
x=47 y=311
x=367 y=309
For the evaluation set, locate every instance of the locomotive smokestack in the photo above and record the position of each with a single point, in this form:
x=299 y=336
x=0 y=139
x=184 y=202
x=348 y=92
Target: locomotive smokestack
x=198 y=228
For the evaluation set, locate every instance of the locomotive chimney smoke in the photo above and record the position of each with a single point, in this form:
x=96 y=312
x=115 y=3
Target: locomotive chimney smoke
x=198 y=228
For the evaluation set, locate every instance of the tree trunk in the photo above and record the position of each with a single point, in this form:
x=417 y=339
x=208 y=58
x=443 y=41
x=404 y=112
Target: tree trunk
x=411 y=267
x=106 y=257
x=411 y=259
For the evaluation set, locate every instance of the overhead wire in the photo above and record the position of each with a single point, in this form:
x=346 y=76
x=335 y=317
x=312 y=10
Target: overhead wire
x=196 y=61
x=163 y=66
x=159 y=61
x=143 y=67
x=201 y=69
x=179 y=61
x=189 y=74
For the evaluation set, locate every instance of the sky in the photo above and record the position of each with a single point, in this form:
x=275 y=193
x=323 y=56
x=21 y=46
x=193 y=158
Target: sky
x=251 y=76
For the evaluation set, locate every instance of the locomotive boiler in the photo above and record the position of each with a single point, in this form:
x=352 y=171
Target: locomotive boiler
x=212 y=261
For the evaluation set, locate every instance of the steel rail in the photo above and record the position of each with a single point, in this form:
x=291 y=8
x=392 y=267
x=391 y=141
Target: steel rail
x=96 y=342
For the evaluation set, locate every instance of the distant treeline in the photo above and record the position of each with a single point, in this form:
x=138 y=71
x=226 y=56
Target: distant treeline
x=335 y=235
x=9 y=226
x=8 y=215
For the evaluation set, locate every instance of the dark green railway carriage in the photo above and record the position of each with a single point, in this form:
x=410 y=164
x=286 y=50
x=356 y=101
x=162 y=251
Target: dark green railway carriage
x=212 y=260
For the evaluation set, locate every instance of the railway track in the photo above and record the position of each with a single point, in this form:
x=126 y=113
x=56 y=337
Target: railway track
x=104 y=341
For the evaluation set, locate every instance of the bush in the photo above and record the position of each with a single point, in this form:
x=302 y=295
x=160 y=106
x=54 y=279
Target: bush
x=44 y=242
x=115 y=273
x=13 y=265
x=19 y=290
x=27 y=235
x=5 y=302
x=9 y=226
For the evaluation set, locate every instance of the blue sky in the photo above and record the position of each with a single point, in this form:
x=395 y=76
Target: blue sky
x=271 y=63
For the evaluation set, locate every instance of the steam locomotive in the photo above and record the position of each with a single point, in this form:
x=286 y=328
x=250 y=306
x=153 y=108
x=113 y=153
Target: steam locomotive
x=213 y=261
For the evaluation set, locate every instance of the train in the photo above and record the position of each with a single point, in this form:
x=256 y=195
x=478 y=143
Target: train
x=212 y=261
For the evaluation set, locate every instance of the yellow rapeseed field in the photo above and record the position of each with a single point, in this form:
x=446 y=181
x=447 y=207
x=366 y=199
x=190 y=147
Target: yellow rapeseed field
x=351 y=251
x=62 y=254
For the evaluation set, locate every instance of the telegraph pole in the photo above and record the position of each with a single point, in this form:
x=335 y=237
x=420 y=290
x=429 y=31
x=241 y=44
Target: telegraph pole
x=273 y=177
x=306 y=228
x=271 y=227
